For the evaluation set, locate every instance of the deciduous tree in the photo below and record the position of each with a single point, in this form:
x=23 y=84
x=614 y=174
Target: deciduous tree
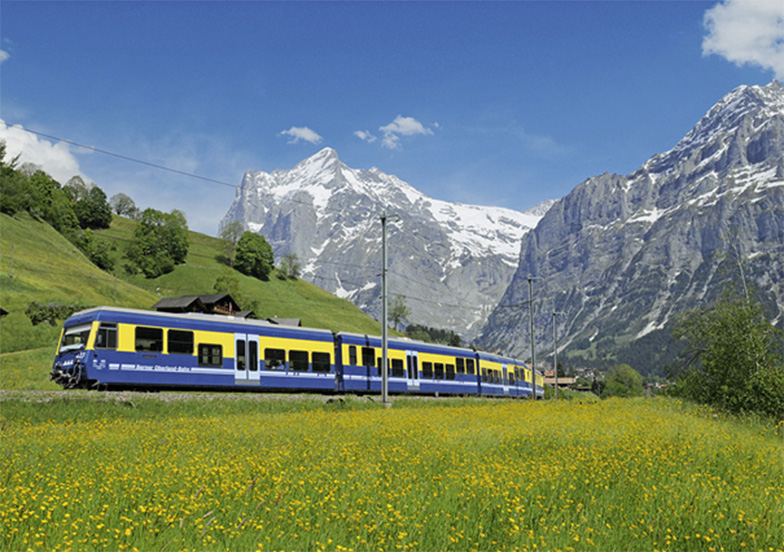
x=92 y=210
x=231 y=234
x=290 y=266
x=622 y=381
x=254 y=256
x=398 y=310
x=122 y=204
x=160 y=241
x=731 y=359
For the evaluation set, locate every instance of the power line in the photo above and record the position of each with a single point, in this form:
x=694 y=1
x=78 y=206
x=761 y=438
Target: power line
x=161 y=167
x=131 y=159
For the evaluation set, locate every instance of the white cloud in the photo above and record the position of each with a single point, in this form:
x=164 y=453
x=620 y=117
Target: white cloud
x=365 y=135
x=4 y=56
x=296 y=134
x=401 y=126
x=55 y=159
x=747 y=31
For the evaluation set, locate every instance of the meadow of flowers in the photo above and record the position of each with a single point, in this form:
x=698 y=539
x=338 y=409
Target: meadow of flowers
x=648 y=474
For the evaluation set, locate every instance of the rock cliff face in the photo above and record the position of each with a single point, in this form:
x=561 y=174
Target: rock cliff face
x=451 y=261
x=621 y=256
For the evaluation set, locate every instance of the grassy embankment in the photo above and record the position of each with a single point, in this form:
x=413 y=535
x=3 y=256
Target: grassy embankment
x=94 y=472
x=38 y=264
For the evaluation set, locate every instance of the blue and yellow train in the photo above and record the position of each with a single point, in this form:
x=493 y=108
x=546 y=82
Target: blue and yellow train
x=116 y=348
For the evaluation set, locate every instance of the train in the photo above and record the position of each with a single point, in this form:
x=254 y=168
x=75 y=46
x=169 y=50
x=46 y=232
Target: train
x=109 y=348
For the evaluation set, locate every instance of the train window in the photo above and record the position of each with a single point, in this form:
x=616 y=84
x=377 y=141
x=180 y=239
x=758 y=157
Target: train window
x=240 y=356
x=470 y=366
x=210 y=355
x=321 y=362
x=75 y=337
x=253 y=356
x=460 y=365
x=450 y=371
x=413 y=370
x=397 y=368
x=352 y=355
x=484 y=375
x=439 y=370
x=427 y=370
x=368 y=356
x=298 y=361
x=106 y=338
x=274 y=359
x=149 y=339
x=180 y=342
x=511 y=378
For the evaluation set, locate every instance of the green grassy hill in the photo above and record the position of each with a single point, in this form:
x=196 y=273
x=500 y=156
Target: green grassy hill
x=38 y=264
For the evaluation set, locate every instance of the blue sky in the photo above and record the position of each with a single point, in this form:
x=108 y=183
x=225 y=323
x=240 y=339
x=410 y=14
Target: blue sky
x=505 y=104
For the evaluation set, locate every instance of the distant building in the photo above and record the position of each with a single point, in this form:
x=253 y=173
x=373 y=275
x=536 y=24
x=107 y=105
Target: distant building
x=563 y=381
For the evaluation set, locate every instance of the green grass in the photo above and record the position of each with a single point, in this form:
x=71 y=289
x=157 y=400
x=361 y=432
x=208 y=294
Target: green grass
x=38 y=264
x=92 y=471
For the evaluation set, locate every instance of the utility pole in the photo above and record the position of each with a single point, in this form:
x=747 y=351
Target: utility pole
x=555 y=353
x=531 y=330
x=384 y=315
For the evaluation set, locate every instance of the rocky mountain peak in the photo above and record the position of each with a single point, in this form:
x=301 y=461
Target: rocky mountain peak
x=717 y=139
x=621 y=255
x=452 y=260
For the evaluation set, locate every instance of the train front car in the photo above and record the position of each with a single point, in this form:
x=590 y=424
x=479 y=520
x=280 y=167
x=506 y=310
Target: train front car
x=77 y=340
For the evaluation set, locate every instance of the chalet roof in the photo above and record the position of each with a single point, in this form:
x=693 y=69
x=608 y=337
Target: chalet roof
x=285 y=321
x=245 y=314
x=182 y=302
x=217 y=298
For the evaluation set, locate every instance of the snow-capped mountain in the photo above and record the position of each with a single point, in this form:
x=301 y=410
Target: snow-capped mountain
x=451 y=261
x=621 y=256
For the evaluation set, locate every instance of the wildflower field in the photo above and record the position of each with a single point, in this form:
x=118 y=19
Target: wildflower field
x=80 y=472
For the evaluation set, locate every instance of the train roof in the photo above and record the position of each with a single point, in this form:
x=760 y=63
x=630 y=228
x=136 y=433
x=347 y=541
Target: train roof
x=132 y=316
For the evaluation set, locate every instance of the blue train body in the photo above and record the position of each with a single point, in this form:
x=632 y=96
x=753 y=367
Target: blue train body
x=114 y=348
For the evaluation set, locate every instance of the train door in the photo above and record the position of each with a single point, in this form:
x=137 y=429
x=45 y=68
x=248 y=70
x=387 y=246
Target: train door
x=246 y=359
x=412 y=369
x=505 y=378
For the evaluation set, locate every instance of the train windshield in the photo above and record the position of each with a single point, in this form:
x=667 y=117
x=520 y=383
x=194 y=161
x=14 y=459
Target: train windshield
x=75 y=338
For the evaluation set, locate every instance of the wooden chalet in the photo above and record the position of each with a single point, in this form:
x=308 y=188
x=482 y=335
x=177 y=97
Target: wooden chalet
x=220 y=303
